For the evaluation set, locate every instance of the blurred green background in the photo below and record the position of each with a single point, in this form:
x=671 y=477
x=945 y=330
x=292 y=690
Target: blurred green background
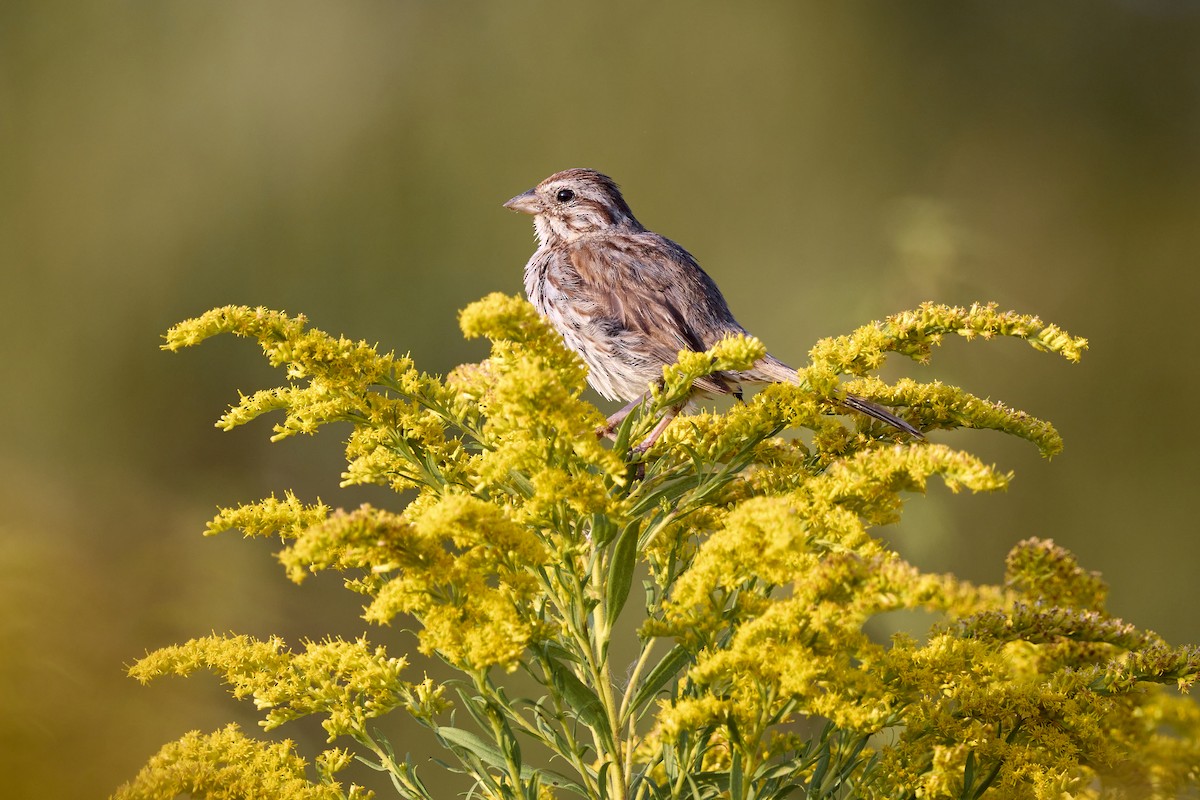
x=827 y=163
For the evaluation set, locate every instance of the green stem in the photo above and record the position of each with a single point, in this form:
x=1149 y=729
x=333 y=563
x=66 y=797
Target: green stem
x=569 y=602
x=631 y=690
x=574 y=754
x=501 y=732
x=602 y=680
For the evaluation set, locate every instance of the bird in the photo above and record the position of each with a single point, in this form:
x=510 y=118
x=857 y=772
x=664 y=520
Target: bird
x=628 y=300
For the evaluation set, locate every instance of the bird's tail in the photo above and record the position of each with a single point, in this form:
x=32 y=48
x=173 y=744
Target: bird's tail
x=771 y=370
x=881 y=414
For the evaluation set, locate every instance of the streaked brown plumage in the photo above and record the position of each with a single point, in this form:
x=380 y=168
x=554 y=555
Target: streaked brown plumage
x=628 y=300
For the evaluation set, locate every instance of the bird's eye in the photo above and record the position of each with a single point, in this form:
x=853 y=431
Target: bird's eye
x=565 y=195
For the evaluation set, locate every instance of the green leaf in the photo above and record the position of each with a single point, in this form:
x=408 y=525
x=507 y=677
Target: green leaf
x=512 y=748
x=670 y=763
x=485 y=751
x=490 y=754
x=669 y=491
x=581 y=700
x=532 y=786
x=603 y=530
x=602 y=779
x=555 y=651
x=665 y=670
x=522 y=483
x=620 y=572
x=969 y=776
x=818 y=779
x=474 y=706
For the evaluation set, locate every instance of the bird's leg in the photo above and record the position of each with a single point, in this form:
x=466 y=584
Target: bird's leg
x=671 y=413
x=609 y=428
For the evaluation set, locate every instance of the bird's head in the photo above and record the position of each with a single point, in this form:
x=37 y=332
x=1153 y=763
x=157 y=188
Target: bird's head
x=574 y=203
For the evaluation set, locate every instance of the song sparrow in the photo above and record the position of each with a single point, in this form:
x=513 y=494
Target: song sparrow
x=628 y=300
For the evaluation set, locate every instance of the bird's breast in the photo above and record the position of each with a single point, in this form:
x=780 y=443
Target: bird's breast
x=617 y=368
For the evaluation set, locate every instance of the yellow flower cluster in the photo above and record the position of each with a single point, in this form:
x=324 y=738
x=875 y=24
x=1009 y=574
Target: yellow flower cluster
x=750 y=532
x=348 y=682
x=228 y=765
x=915 y=333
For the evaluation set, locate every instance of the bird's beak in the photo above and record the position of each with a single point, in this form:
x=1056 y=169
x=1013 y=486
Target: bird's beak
x=526 y=203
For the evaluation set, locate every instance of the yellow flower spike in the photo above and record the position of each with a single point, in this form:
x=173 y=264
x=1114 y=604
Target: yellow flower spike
x=915 y=333
x=348 y=682
x=285 y=518
x=228 y=765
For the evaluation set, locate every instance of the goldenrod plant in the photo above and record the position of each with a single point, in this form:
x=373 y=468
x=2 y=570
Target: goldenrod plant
x=749 y=534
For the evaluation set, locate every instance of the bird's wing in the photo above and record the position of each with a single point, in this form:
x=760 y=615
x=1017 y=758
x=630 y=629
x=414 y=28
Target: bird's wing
x=645 y=287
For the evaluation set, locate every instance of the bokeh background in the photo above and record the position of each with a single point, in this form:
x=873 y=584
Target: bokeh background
x=827 y=163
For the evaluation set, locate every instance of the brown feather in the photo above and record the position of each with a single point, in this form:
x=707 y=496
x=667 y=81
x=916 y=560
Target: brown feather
x=629 y=300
